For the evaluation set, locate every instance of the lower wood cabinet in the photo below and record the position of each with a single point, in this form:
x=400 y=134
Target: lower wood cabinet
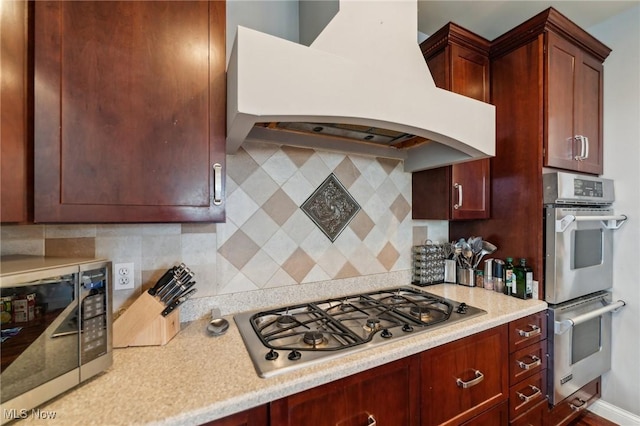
x=575 y=405
x=384 y=395
x=465 y=378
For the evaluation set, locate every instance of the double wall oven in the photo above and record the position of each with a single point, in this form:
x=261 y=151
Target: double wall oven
x=579 y=226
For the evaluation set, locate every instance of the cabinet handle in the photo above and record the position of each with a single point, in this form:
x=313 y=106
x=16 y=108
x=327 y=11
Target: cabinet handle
x=371 y=421
x=535 y=363
x=535 y=330
x=466 y=385
x=217 y=184
x=525 y=398
x=458 y=186
x=584 y=147
x=582 y=406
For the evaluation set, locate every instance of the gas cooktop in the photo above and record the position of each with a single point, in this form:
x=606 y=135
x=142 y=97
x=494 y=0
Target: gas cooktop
x=290 y=337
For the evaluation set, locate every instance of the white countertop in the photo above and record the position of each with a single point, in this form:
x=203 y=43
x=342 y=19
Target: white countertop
x=196 y=378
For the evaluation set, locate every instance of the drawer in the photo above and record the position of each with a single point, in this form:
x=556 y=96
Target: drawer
x=563 y=413
x=527 y=361
x=536 y=416
x=526 y=394
x=528 y=330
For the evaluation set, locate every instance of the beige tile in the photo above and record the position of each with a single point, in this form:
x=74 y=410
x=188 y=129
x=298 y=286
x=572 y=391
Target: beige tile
x=240 y=166
x=347 y=172
x=70 y=247
x=198 y=228
x=118 y=230
x=362 y=224
x=70 y=231
x=34 y=247
x=388 y=256
x=238 y=249
x=298 y=265
x=299 y=156
x=279 y=207
x=388 y=164
x=21 y=232
x=400 y=208
x=420 y=235
x=347 y=271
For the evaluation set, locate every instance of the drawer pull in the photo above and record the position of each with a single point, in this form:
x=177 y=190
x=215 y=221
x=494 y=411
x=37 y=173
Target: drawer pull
x=536 y=392
x=535 y=330
x=217 y=184
x=582 y=406
x=466 y=385
x=534 y=363
x=371 y=421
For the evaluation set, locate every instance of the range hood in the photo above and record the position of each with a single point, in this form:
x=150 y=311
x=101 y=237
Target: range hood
x=361 y=87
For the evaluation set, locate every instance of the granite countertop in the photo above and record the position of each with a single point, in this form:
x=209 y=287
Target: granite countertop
x=196 y=378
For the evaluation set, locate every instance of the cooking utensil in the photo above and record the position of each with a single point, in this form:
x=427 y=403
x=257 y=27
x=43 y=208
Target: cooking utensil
x=487 y=248
x=179 y=301
x=218 y=325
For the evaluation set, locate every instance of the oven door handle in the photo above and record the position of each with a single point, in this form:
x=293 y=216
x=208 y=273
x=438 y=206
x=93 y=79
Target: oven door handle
x=609 y=222
x=561 y=327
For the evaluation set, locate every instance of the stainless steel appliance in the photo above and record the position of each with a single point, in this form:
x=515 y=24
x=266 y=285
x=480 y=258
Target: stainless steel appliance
x=287 y=338
x=579 y=226
x=56 y=327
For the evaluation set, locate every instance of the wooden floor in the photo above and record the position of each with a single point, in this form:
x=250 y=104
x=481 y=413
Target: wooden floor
x=590 y=419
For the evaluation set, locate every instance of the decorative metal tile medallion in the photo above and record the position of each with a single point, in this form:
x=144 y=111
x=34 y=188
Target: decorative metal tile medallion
x=331 y=207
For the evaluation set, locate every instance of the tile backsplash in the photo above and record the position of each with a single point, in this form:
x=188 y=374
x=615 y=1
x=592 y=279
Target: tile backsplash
x=267 y=240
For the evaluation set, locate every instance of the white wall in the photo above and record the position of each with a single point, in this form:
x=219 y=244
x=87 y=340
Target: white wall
x=621 y=386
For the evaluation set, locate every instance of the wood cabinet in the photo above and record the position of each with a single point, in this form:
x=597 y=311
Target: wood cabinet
x=459 y=62
x=385 y=395
x=15 y=125
x=575 y=405
x=521 y=87
x=254 y=417
x=464 y=378
x=528 y=369
x=129 y=115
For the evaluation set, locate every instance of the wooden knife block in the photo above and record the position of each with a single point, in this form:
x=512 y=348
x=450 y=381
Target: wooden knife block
x=143 y=325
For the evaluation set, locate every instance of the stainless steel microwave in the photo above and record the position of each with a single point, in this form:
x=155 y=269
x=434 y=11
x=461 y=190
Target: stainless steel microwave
x=55 y=317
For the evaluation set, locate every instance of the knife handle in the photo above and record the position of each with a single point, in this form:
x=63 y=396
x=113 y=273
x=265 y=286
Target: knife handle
x=162 y=281
x=179 y=301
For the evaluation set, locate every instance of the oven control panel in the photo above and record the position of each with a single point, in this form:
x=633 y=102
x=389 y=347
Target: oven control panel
x=574 y=189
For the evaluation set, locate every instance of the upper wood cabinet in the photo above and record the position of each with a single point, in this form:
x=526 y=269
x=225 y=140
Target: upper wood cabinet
x=129 y=114
x=573 y=137
x=536 y=95
x=15 y=127
x=459 y=62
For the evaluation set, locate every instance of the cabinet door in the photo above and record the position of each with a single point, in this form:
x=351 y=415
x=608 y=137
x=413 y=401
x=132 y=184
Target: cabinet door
x=15 y=188
x=465 y=378
x=386 y=395
x=129 y=111
x=460 y=191
x=574 y=108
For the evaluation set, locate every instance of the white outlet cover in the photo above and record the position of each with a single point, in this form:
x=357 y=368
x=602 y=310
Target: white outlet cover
x=123 y=276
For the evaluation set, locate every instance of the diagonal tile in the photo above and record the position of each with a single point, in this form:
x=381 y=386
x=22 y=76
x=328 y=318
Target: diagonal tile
x=298 y=265
x=260 y=227
x=332 y=261
x=298 y=155
x=347 y=172
x=260 y=151
x=400 y=208
x=240 y=207
x=280 y=167
x=239 y=249
x=361 y=225
x=315 y=170
x=388 y=164
x=280 y=207
x=260 y=268
x=347 y=271
x=259 y=186
x=388 y=256
x=280 y=246
x=240 y=166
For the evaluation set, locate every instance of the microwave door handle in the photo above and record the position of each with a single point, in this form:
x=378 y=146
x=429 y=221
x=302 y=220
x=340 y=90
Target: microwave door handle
x=561 y=327
x=609 y=222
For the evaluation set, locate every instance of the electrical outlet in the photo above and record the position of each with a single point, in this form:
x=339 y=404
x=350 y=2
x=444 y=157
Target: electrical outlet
x=123 y=278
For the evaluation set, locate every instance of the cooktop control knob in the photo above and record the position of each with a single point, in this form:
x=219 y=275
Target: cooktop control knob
x=407 y=328
x=462 y=308
x=386 y=334
x=294 y=355
x=271 y=355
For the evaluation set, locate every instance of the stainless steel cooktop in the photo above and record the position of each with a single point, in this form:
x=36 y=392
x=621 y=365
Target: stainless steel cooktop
x=290 y=337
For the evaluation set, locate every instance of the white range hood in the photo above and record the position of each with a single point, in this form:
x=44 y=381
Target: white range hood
x=364 y=69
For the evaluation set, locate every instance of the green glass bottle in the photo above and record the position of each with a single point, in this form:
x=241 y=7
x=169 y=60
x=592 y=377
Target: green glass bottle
x=509 y=277
x=524 y=280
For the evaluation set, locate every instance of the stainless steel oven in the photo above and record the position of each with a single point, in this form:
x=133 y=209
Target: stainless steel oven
x=579 y=249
